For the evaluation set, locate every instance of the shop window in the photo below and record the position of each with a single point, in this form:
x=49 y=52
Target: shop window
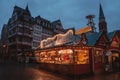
x=82 y=56
x=60 y=57
x=43 y=56
x=54 y=57
x=66 y=56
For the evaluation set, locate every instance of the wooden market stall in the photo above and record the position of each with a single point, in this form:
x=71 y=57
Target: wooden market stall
x=69 y=59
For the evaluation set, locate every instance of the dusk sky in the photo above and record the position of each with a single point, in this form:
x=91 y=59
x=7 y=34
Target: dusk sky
x=72 y=13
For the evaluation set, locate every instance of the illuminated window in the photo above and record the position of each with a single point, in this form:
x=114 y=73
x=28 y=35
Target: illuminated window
x=82 y=56
x=43 y=56
x=66 y=56
x=58 y=57
x=52 y=56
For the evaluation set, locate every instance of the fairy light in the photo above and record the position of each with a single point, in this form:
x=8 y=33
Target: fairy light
x=53 y=41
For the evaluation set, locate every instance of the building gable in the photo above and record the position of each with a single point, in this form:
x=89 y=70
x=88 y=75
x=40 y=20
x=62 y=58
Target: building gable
x=115 y=41
x=92 y=38
x=102 y=41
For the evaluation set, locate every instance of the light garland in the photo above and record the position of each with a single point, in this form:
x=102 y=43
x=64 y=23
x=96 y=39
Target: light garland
x=58 y=39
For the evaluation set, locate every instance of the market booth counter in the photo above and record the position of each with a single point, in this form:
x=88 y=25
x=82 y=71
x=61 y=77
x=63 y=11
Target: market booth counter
x=70 y=60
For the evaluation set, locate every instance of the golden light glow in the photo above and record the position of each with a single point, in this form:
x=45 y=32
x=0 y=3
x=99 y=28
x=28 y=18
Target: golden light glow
x=65 y=51
x=83 y=30
x=82 y=57
x=59 y=57
x=4 y=45
x=58 y=39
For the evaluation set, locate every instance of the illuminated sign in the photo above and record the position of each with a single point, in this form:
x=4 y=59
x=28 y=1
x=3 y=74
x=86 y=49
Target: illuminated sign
x=58 y=39
x=84 y=30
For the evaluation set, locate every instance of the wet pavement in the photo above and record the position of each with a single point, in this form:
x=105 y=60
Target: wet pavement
x=31 y=72
x=24 y=72
x=109 y=76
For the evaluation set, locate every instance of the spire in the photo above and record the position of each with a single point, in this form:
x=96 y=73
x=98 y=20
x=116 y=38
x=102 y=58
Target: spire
x=102 y=22
x=27 y=9
x=101 y=14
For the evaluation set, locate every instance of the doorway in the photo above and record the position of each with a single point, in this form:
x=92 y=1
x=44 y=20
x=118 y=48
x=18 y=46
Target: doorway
x=115 y=58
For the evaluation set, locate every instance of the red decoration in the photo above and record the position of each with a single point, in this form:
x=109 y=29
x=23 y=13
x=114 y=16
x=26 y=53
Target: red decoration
x=115 y=39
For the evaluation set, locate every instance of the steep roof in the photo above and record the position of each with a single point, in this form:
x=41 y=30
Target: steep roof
x=57 y=22
x=101 y=14
x=93 y=37
x=20 y=10
x=118 y=33
x=111 y=35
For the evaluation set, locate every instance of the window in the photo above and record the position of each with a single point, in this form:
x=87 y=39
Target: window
x=66 y=56
x=35 y=44
x=98 y=56
x=82 y=56
x=60 y=57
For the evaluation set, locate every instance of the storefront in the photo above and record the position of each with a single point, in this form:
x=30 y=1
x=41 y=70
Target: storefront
x=113 y=60
x=63 y=56
x=73 y=54
x=113 y=52
x=99 y=60
x=74 y=58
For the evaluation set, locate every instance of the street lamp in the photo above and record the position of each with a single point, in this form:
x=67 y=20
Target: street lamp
x=3 y=51
x=4 y=45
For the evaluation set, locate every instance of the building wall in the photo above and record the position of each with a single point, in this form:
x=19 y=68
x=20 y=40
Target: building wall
x=19 y=31
x=42 y=29
x=37 y=30
x=25 y=32
x=4 y=42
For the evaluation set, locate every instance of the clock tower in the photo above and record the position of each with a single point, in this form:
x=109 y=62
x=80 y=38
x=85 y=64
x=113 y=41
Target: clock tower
x=102 y=22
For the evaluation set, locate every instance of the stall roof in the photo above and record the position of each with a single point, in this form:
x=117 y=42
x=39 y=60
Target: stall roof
x=93 y=37
x=111 y=35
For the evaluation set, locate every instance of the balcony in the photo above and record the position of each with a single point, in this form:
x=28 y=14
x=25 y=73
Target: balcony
x=25 y=26
x=10 y=35
x=28 y=35
x=20 y=43
x=24 y=34
x=29 y=27
x=26 y=43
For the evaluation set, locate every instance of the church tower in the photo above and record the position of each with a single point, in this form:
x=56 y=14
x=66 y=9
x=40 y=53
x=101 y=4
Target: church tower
x=102 y=22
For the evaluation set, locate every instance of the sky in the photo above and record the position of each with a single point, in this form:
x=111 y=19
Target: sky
x=72 y=13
